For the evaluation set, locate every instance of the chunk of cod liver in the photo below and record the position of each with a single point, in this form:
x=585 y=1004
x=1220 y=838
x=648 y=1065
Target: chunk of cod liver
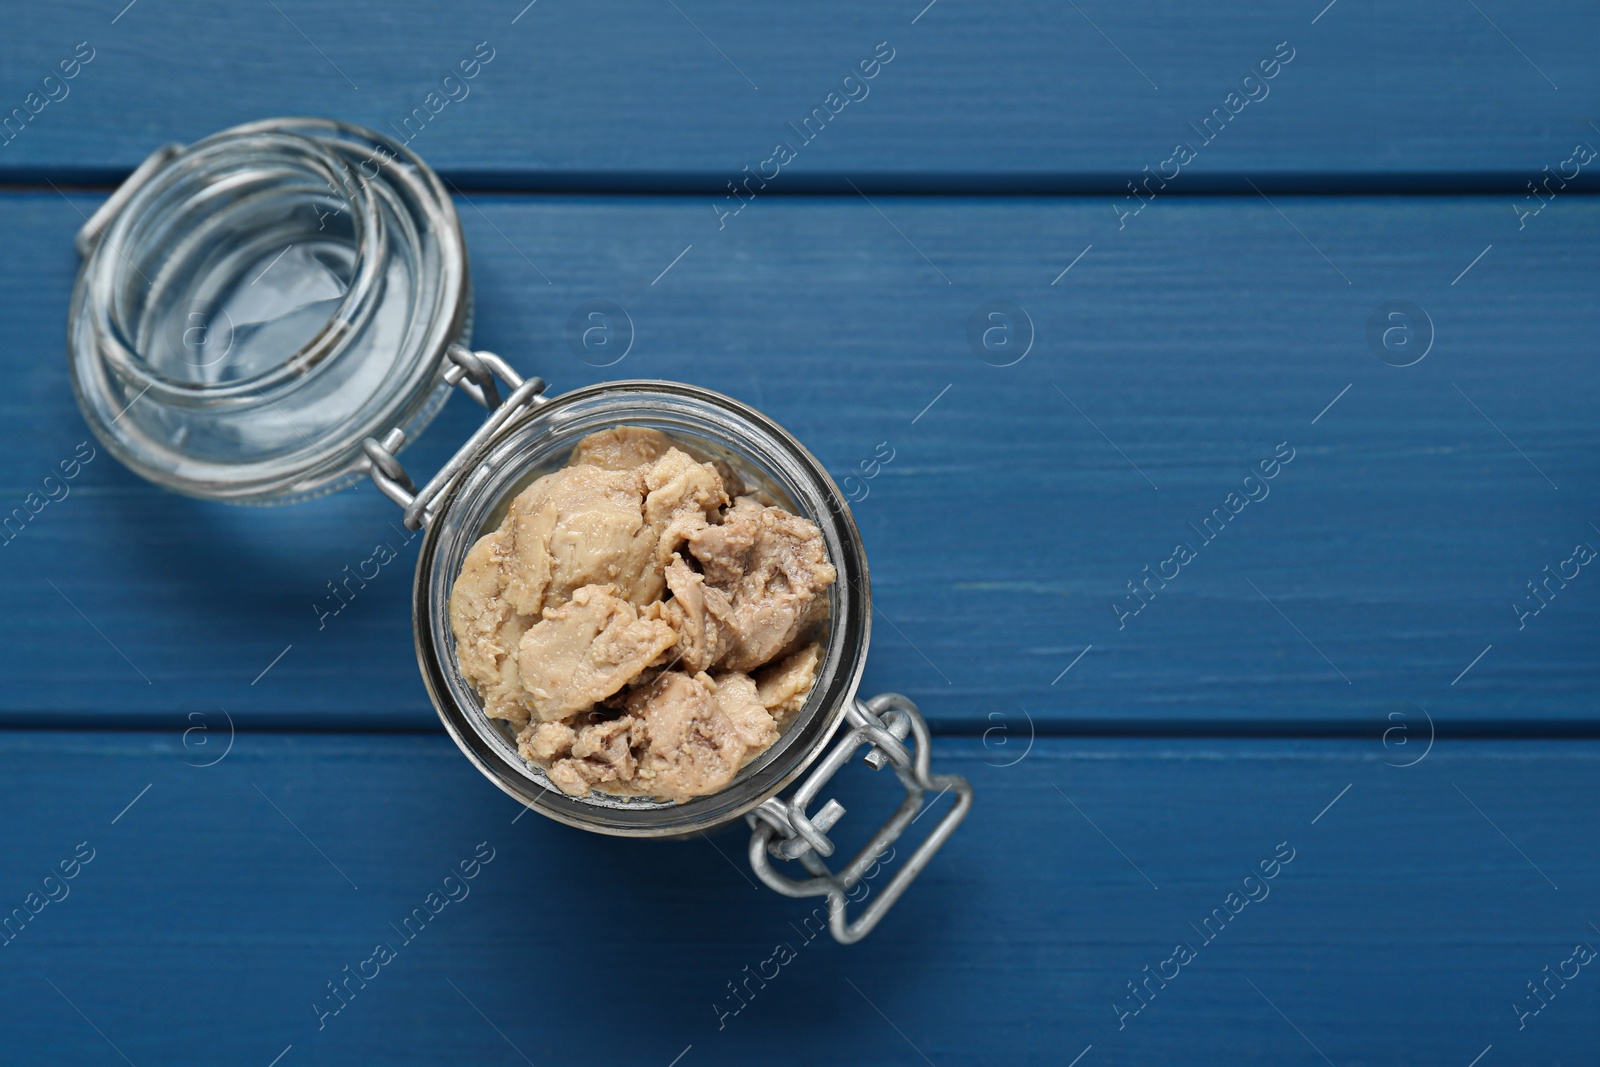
x=488 y=630
x=585 y=650
x=685 y=743
x=593 y=755
x=681 y=737
x=783 y=686
x=773 y=568
x=701 y=615
x=574 y=527
x=623 y=448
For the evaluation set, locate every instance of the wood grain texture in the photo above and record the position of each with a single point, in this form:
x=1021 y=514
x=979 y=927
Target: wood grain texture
x=207 y=923
x=1180 y=353
x=266 y=798
x=644 y=95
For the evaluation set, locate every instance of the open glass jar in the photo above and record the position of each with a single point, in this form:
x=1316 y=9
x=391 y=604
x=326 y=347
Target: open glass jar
x=274 y=311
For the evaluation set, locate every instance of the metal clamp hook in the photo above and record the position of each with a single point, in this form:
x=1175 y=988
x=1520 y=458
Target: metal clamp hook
x=784 y=830
x=474 y=373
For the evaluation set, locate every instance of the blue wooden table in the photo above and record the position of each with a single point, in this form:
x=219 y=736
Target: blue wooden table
x=1297 y=767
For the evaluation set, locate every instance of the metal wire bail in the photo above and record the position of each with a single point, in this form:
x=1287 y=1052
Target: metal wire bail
x=784 y=830
x=474 y=373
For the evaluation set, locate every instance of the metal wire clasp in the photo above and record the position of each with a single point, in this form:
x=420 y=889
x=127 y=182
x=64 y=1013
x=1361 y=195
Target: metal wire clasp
x=474 y=373
x=784 y=830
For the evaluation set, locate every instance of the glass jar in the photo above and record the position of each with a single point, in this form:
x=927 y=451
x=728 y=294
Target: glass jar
x=274 y=311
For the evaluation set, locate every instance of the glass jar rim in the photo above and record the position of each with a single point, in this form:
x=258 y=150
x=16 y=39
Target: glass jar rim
x=491 y=476
x=396 y=210
x=285 y=148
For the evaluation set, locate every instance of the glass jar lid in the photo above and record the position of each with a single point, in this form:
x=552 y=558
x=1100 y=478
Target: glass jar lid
x=252 y=307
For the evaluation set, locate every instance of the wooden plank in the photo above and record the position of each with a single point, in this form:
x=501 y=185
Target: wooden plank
x=641 y=95
x=1180 y=352
x=240 y=890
